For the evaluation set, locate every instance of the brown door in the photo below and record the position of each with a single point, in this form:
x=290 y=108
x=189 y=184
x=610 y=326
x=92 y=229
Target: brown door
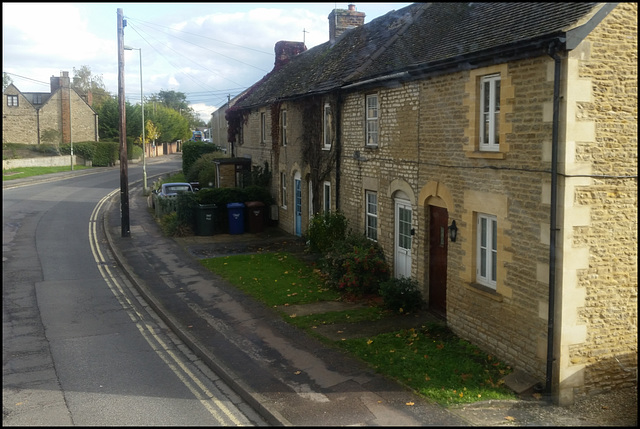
x=438 y=240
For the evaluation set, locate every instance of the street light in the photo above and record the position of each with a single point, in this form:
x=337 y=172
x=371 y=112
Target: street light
x=144 y=143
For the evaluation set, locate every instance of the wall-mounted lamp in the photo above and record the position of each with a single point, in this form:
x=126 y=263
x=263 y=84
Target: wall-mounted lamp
x=453 y=231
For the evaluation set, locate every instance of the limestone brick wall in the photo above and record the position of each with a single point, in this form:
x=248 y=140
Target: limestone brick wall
x=83 y=120
x=19 y=124
x=387 y=169
x=286 y=159
x=600 y=224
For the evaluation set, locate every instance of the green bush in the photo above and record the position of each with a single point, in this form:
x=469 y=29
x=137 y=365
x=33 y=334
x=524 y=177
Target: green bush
x=346 y=259
x=186 y=205
x=208 y=176
x=101 y=154
x=192 y=151
x=364 y=269
x=172 y=227
x=326 y=229
x=258 y=193
x=204 y=162
x=401 y=295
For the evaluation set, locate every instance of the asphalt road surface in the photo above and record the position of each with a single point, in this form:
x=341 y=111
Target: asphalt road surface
x=80 y=347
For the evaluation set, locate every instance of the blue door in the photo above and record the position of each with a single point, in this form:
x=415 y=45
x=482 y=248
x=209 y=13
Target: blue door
x=298 y=195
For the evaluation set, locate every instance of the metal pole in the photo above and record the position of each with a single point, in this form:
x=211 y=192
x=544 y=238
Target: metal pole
x=144 y=142
x=124 y=180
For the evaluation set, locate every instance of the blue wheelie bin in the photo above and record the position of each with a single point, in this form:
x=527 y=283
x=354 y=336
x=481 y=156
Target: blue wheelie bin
x=236 y=218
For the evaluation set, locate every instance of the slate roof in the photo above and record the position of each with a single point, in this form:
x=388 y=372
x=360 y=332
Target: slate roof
x=419 y=36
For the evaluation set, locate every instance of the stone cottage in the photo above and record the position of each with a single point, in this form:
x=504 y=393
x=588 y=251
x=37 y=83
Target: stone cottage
x=59 y=116
x=491 y=150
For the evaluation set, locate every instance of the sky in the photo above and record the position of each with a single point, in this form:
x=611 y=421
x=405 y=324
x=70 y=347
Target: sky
x=208 y=51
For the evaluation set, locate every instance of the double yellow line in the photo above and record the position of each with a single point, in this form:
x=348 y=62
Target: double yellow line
x=216 y=407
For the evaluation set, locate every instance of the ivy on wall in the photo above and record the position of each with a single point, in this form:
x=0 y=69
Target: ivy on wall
x=321 y=162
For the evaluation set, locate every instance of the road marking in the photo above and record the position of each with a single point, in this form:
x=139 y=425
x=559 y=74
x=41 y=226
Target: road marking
x=184 y=374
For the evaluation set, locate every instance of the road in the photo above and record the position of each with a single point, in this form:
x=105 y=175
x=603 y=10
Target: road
x=80 y=347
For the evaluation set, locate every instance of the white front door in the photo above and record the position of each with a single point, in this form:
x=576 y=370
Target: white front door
x=402 y=259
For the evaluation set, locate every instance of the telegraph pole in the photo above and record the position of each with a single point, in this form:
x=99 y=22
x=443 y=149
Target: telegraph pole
x=124 y=180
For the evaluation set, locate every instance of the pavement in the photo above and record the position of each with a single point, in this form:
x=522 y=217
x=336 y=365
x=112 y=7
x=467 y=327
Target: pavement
x=289 y=377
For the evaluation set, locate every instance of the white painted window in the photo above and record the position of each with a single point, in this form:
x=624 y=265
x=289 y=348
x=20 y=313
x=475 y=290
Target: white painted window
x=487 y=250
x=372 y=215
x=490 y=113
x=284 y=127
x=263 y=127
x=327 y=126
x=372 y=120
x=327 y=197
x=12 y=100
x=283 y=192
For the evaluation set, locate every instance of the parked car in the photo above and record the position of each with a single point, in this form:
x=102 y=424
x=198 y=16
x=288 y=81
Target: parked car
x=170 y=190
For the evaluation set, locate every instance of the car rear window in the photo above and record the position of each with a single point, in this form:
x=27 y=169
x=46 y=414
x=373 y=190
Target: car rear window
x=171 y=189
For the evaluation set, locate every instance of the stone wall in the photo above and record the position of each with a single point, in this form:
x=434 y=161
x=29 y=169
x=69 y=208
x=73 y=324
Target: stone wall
x=19 y=124
x=43 y=161
x=427 y=151
x=599 y=227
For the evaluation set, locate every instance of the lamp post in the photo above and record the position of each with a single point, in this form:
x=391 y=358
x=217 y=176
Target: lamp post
x=144 y=143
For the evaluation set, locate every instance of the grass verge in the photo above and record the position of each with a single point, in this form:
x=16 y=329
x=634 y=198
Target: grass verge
x=431 y=360
x=21 y=173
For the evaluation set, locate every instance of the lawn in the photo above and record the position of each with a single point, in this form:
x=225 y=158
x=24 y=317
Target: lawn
x=22 y=172
x=431 y=360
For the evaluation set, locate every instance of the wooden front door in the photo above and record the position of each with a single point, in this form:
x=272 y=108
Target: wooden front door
x=438 y=240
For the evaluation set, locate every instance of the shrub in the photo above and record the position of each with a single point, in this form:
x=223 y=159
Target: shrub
x=364 y=269
x=325 y=230
x=203 y=162
x=207 y=177
x=192 y=151
x=172 y=227
x=186 y=205
x=355 y=265
x=401 y=295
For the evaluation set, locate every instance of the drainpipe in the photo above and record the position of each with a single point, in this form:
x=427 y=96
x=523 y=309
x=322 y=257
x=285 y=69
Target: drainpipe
x=552 y=52
x=338 y=148
x=38 y=125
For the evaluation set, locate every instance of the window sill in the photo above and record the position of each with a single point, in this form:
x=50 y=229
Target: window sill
x=484 y=291
x=486 y=155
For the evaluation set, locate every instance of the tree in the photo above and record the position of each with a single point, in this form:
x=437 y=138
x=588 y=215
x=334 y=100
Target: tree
x=6 y=80
x=83 y=82
x=174 y=100
x=171 y=124
x=152 y=133
x=109 y=119
x=178 y=102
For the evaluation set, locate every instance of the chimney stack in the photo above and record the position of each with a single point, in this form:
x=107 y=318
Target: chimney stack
x=60 y=82
x=341 y=20
x=287 y=50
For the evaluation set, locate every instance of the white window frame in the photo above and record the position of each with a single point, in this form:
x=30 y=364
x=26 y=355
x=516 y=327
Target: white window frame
x=283 y=184
x=489 y=125
x=371 y=209
x=12 y=100
x=372 y=109
x=263 y=127
x=327 y=127
x=487 y=250
x=326 y=197
x=284 y=127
